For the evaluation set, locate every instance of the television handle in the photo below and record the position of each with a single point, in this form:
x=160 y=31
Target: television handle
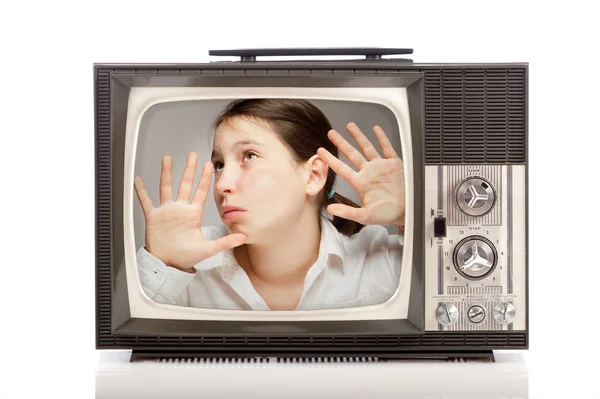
x=249 y=55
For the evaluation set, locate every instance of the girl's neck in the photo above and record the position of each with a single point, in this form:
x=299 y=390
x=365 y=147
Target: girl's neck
x=286 y=260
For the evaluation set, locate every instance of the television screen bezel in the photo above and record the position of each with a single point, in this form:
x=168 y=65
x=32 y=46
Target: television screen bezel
x=109 y=185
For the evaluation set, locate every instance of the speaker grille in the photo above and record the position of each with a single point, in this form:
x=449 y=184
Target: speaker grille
x=476 y=116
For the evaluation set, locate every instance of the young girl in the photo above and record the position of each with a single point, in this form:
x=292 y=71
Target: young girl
x=275 y=163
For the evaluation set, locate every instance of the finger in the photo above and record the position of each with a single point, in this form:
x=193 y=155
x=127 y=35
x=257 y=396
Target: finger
x=224 y=243
x=384 y=168
x=204 y=185
x=142 y=194
x=338 y=166
x=386 y=146
x=187 y=180
x=359 y=215
x=363 y=142
x=166 y=186
x=347 y=149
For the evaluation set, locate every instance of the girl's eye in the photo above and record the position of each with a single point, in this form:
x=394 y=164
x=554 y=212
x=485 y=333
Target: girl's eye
x=249 y=153
x=219 y=165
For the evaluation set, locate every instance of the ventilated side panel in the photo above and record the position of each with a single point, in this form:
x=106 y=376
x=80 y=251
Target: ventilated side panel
x=102 y=105
x=475 y=116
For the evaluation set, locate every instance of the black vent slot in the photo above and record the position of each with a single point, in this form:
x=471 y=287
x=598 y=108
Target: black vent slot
x=475 y=116
x=144 y=340
x=323 y=341
x=388 y=341
x=217 y=341
x=410 y=340
x=517 y=340
x=170 y=340
x=256 y=341
x=454 y=340
x=279 y=341
x=345 y=341
x=432 y=340
x=299 y=341
x=498 y=340
x=235 y=341
x=366 y=341
x=130 y=341
x=475 y=340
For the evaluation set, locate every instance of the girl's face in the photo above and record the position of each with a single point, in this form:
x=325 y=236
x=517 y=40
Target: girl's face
x=255 y=171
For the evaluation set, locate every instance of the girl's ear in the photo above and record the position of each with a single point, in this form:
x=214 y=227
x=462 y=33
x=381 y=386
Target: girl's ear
x=316 y=174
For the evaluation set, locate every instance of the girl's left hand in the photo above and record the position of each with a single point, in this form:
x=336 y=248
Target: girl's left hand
x=378 y=181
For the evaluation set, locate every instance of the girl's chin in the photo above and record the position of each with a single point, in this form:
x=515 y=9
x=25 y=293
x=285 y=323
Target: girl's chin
x=250 y=238
x=233 y=229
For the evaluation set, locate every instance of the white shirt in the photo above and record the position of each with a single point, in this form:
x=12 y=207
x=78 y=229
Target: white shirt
x=358 y=270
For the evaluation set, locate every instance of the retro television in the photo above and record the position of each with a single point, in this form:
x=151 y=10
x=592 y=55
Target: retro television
x=215 y=230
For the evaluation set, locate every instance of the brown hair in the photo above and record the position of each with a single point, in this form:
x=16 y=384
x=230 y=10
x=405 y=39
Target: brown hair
x=302 y=128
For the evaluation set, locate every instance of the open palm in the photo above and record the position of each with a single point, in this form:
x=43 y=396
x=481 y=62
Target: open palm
x=378 y=181
x=173 y=230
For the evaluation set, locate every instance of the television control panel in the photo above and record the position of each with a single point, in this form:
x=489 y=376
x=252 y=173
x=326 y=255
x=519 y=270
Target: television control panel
x=475 y=247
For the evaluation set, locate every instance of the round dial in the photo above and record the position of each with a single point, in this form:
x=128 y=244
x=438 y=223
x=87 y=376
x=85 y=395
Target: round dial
x=475 y=196
x=476 y=314
x=504 y=313
x=475 y=257
x=446 y=314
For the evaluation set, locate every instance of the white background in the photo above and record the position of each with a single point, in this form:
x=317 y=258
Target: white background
x=47 y=154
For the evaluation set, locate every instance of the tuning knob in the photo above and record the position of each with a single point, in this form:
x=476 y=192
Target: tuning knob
x=504 y=313
x=476 y=314
x=475 y=196
x=446 y=314
x=475 y=257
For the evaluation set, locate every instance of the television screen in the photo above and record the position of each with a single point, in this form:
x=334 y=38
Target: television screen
x=266 y=203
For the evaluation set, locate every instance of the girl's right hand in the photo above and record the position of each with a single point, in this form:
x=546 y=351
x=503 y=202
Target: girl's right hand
x=173 y=230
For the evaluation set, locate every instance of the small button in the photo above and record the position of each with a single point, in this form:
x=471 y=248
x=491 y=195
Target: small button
x=439 y=226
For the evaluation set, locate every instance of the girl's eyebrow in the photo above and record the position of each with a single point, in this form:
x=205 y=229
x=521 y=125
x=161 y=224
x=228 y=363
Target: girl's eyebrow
x=241 y=142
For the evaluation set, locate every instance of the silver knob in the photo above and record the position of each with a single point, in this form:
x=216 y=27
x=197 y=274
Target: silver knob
x=504 y=313
x=476 y=314
x=446 y=314
x=475 y=257
x=475 y=196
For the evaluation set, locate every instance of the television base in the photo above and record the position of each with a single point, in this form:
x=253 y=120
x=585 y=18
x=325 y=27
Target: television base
x=314 y=357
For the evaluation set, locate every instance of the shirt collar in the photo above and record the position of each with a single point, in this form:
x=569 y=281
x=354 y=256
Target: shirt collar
x=331 y=244
x=332 y=241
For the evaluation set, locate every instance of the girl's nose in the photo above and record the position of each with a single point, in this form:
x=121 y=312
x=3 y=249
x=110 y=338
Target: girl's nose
x=227 y=181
